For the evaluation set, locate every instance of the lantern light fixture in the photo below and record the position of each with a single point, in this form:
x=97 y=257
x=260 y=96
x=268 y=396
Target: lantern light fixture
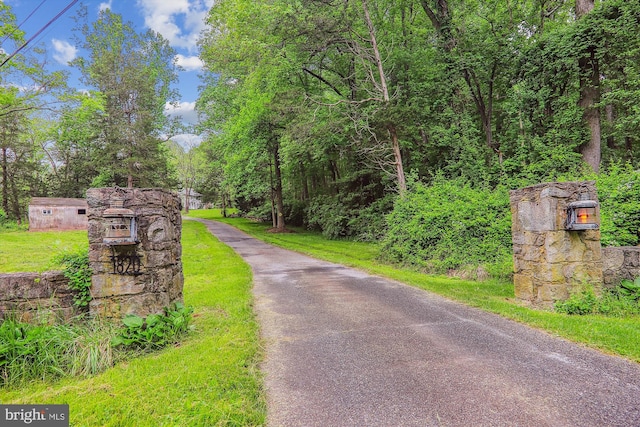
x=582 y=214
x=121 y=226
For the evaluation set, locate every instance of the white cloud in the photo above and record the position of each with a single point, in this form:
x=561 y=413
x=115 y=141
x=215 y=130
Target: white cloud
x=185 y=109
x=105 y=5
x=64 y=51
x=187 y=140
x=189 y=63
x=179 y=21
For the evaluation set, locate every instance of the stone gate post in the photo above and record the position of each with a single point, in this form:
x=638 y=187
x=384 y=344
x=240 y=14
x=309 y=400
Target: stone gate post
x=134 y=250
x=550 y=261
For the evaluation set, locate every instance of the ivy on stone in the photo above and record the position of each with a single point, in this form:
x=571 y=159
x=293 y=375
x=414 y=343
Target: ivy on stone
x=77 y=270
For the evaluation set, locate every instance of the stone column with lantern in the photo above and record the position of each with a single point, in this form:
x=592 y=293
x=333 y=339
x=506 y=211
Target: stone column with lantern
x=134 y=250
x=556 y=240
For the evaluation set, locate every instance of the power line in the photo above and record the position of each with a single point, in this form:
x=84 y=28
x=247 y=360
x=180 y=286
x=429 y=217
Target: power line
x=23 y=21
x=69 y=6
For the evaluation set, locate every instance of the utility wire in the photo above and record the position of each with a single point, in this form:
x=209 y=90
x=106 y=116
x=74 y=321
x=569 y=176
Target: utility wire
x=22 y=23
x=69 y=6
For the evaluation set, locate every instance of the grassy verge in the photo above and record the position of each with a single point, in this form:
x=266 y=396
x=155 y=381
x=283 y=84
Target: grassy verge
x=22 y=251
x=619 y=336
x=210 y=379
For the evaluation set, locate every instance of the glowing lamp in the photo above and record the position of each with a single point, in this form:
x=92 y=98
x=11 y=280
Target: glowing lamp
x=582 y=215
x=121 y=227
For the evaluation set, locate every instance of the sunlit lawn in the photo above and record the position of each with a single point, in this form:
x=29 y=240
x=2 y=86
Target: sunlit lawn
x=23 y=251
x=211 y=379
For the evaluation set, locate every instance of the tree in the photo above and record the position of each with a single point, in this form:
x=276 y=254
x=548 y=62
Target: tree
x=189 y=164
x=253 y=79
x=336 y=95
x=134 y=74
x=590 y=93
x=27 y=88
x=71 y=145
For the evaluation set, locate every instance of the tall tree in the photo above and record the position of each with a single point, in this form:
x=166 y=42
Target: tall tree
x=134 y=73
x=71 y=145
x=590 y=93
x=26 y=89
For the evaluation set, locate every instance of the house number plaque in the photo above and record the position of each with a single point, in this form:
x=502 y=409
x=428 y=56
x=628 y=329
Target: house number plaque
x=126 y=264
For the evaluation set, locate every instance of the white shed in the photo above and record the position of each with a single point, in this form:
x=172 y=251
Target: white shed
x=57 y=213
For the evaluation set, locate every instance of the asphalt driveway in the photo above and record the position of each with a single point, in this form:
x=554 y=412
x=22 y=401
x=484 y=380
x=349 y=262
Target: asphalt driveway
x=344 y=348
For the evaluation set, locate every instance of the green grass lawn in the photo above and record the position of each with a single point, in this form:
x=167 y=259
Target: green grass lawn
x=211 y=379
x=619 y=336
x=22 y=251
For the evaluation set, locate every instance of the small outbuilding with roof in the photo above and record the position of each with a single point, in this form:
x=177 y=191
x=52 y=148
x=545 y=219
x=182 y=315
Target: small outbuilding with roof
x=57 y=213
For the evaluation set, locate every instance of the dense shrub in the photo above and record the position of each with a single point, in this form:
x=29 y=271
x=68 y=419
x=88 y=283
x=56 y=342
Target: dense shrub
x=338 y=217
x=622 y=301
x=7 y=224
x=449 y=225
x=328 y=215
x=294 y=212
x=619 y=197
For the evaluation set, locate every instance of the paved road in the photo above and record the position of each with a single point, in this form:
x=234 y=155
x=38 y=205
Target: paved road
x=347 y=349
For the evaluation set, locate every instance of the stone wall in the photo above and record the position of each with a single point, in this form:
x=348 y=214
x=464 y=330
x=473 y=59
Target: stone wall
x=157 y=280
x=33 y=297
x=620 y=263
x=549 y=261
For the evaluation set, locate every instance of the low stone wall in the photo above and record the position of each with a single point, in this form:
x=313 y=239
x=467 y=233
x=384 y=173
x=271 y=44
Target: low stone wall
x=620 y=263
x=34 y=297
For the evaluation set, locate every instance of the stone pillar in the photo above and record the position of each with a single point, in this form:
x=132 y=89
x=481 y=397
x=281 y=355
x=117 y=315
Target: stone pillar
x=550 y=262
x=139 y=278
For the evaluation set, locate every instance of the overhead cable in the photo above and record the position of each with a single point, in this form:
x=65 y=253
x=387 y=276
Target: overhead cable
x=69 y=6
x=23 y=21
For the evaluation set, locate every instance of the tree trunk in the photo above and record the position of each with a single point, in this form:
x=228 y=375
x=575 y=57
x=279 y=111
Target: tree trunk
x=274 y=215
x=610 y=115
x=15 y=203
x=397 y=154
x=441 y=20
x=590 y=96
x=5 y=184
x=280 y=225
x=305 y=185
x=224 y=205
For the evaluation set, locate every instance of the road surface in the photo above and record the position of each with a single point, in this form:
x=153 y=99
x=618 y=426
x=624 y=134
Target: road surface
x=344 y=348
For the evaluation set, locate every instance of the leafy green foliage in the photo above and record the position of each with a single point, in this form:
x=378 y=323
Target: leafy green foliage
x=156 y=330
x=133 y=74
x=584 y=302
x=46 y=352
x=7 y=224
x=622 y=301
x=630 y=289
x=449 y=225
x=619 y=197
x=342 y=216
x=23 y=345
x=83 y=347
x=77 y=270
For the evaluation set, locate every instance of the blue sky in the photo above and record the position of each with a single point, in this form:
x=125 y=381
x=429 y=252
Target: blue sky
x=179 y=21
